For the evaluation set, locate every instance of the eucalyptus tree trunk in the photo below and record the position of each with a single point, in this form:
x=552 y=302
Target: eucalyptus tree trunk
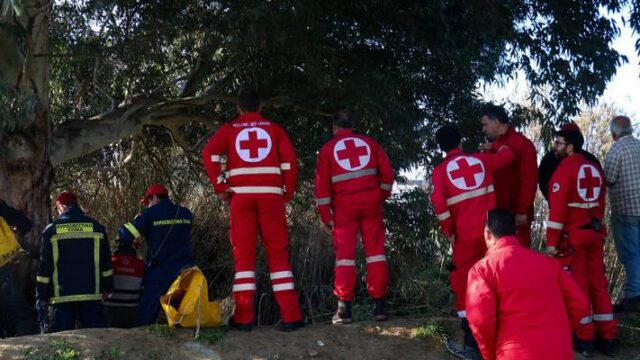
x=25 y=171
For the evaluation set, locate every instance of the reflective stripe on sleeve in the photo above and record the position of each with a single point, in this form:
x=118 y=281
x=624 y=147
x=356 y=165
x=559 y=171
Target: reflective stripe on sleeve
x=444 y=216
x=244 y=287
x=215 y=158
x=43 y=279
x=323 y=201
x=602 y=317
x=555 y=225
x=245 y=275
x=254 y=171
x=353 y=175
x=385 y=186
x=376 y=258
x=583 y=205
x=345 y=262
x=470 y=195
x=285 y=166
x=107 y=273
x=281 y=275
x=132 y=229
x=257 y=190
x=283 y=287
x=585 y=320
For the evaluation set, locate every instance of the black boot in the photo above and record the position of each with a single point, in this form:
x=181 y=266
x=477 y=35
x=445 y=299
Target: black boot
x=379 y=311
x=343 y=314
x=290 y=326
x=470 y=345
x=608 y=347
x=583 y=347
x=240 y=327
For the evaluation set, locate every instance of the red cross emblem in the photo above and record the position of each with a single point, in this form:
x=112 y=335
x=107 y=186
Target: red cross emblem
x=352 y=153
x=465 y=172
x=589 y=182
x=253 y=144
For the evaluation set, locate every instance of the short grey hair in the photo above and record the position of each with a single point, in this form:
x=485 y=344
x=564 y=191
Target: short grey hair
x=621 y=126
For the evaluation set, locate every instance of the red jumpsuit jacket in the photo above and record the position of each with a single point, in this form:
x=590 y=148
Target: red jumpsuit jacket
x=516 y=185
x=576 y=194
x=463 y=190
x=352 y=171
x=522 y=305
x=260 y=158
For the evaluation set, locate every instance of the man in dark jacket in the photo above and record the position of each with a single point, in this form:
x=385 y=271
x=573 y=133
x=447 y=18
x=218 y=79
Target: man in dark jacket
x=14 y=308
x=550 y=161
x=75 y=271
x=166 y=228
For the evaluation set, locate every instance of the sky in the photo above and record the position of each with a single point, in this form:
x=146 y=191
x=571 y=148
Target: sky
x=623 y=90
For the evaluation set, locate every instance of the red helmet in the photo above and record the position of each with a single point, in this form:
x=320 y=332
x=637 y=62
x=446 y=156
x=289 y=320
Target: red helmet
x=155 y=189
x=67 y=198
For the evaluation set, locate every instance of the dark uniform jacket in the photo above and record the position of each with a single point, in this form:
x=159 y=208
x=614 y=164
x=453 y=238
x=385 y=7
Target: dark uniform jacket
x=166 y=228
x=75 y=261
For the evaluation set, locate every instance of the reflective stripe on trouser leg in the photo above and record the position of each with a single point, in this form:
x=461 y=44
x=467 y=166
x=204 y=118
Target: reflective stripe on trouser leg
x=244 y=233
x=466 y=253
x=603 y=318
x=372 y=229
x=275 y=239
x=345 y=236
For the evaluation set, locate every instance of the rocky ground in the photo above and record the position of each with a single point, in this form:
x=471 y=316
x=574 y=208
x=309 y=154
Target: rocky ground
x=406 y=338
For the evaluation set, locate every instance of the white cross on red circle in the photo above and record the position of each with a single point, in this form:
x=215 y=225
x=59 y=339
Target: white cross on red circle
x=253 y=144
x=589 y=182
x=352 y=153
x=466 y=172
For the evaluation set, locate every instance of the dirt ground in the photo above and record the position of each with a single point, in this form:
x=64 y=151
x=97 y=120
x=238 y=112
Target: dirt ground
x=398 y=338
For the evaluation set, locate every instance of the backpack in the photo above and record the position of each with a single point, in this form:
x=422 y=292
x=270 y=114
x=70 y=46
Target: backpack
x=9 y=246
x=187 y=304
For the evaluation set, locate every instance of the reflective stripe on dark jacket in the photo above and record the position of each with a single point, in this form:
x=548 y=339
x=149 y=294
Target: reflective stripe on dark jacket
x=166 y=228
x=75 y=261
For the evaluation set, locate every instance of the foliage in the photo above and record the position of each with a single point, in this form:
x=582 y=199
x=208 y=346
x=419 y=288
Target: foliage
x=212 y=336
x=61 y=350
x=161 y=331
x=432 y=330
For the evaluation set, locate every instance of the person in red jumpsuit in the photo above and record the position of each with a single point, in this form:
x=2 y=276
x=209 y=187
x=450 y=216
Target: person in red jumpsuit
x=260 y=177
x=353 y=178
x=576 y=209
x=462 y=193
x=520 y=303
x=516 y=184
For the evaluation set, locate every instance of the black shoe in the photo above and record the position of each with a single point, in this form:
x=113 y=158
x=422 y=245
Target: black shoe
x=608 y=347
x=290 y=326
x=379 y=311
x=240 y=327
x=343 y=314
x=461 y=351
x=583 y=347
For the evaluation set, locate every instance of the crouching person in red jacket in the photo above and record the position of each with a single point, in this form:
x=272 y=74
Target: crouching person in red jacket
x=521 y=304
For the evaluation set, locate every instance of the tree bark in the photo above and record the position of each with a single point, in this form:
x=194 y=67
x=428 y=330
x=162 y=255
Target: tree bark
x=25 y=169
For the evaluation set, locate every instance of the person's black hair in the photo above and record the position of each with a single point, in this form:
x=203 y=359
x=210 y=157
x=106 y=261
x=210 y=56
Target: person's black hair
x=163 y=196
x=448 y=138
x=501 y=222
x=248 y=100
x=343 y=119
x=572 y=137
x=495 y=112
x=124 y=248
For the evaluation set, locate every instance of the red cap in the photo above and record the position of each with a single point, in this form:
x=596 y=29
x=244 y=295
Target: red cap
x=155 y=189
x=67 y=198
x=570 y=127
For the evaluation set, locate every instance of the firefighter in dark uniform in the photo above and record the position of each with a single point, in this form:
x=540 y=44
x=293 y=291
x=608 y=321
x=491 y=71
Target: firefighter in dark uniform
x=166 y=228
x=75 y=267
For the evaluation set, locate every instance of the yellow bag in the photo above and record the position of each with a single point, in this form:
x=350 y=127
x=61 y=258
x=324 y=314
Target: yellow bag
x=9 y=246
x=187 y=304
